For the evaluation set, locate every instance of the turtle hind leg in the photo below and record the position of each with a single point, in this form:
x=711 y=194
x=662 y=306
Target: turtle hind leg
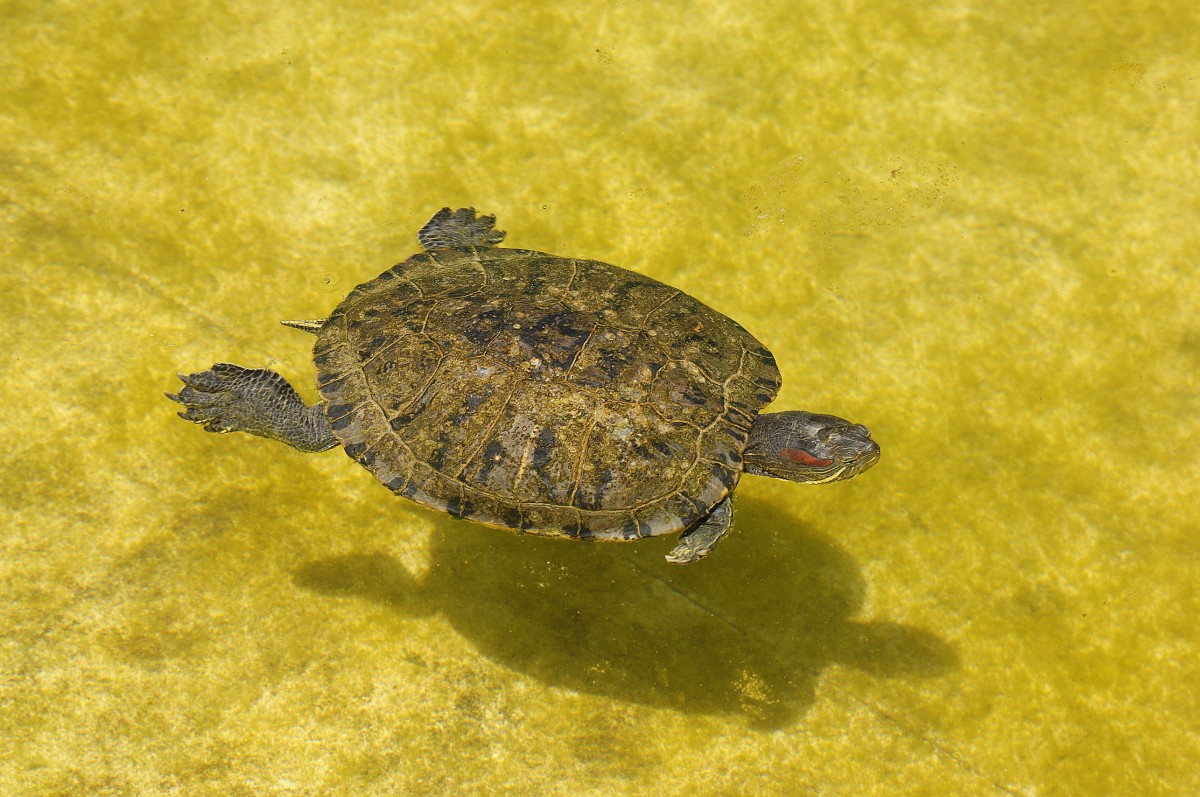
x=700 y=540
x=229 y=398
x=460 y=227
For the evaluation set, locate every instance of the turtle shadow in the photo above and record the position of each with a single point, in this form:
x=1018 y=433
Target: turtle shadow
x=747 y=632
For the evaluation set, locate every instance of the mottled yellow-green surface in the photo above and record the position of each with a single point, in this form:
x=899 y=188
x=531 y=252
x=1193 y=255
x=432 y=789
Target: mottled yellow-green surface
x=972 y=227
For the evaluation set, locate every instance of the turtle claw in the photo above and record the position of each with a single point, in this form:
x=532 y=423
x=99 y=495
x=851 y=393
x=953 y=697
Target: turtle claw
x=209 y=398
x=192 y=412
x=211 y=380
x=216 y=425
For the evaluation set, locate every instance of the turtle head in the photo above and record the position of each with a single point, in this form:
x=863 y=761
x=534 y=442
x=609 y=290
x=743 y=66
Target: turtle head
x=807 y=447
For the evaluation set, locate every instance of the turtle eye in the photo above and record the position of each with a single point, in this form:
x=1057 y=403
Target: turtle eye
x=803 y=457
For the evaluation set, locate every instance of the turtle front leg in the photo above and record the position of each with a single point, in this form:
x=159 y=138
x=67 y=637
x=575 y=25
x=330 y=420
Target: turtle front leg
x=229 y=398
x=699 y=541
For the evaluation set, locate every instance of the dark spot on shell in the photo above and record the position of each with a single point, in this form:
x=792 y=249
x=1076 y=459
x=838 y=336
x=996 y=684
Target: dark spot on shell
x=593 y=499
x=335 y=411
x=328 y=384
x=726 y=457
x=663 y=447
x=372 y=348
x=492 y=454
x=631 y=529
x=613 y=362
x=704 y=343
x=558 y=337
x=355 y=449
x=739 y=416
x=543 y=450
x=484 y=327
x=475 y=399
x=722 y=473
x=437 y=457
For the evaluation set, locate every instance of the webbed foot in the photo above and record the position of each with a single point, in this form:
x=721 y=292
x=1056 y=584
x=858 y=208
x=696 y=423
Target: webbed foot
x=230 y=398
x=700 y=540
x=459 y=228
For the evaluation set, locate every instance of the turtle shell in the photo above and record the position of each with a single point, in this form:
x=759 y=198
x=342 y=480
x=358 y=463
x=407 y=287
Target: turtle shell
x=561 y=397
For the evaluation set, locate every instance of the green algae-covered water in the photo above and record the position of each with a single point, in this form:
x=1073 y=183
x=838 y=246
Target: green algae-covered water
x=972 y=227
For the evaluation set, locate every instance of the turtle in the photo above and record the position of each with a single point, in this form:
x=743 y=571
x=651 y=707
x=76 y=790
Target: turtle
x=550 y=395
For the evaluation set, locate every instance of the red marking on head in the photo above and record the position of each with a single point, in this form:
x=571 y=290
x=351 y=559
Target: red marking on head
x=803 y=457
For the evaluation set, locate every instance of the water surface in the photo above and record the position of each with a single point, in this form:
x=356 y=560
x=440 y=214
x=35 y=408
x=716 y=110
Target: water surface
x=971 y=227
